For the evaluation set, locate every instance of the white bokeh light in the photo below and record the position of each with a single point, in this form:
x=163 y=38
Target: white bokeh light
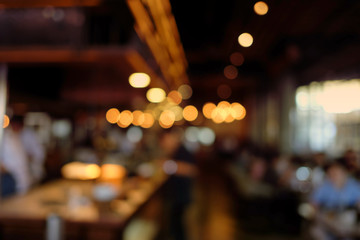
x=303 y=173
x=191 y=134
x=170 y=167
x=206 y=136
x=134 y=134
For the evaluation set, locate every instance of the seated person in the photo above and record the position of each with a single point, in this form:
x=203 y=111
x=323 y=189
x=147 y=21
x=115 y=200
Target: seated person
x=339 y=190
x=335 y=201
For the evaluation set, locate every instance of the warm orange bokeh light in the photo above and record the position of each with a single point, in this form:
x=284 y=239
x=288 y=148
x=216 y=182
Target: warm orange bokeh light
x=112 y=172
x=125 y=119
x=92 y=171
x=138 y=118
x=148 y=120
x=167 y=119
x=174 y=97
x=230 y=72
x=261 y=8
x=178 y=111
x=223 y=104
x=239 y=112
x=245 y=40
x=190 y=113
x=112 y=115
x=80 y=171
x=165 y=126
x=122 y=125
x=6 y=121
x=218 y=115
x=208 y=109
x=230 y=115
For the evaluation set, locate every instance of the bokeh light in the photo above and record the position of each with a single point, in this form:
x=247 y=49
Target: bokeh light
x=174 y=97
x=170 y=167
x=224 y=91
x=112 y=171
x=112 y=115
x=139 y=80
x=6 y=121
x=191 y=134
x=229 y=115
x=261 y=8
x=138 y=118
x=245 y=39
x=218 y=115
x=178 y=111
x=190 y=113
x=126 y=118
x=134 y=134
x=167 y=119
x=239 y=111
x=206 y=136
x=224 y=104
x=208 y=109
x=80 y=171
x=155 y=95
x=230 y=72
x=185 y=91
x=148 y=120
x=236 y=59
x=303 y=173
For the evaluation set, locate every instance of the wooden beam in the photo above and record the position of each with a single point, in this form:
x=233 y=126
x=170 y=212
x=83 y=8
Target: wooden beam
x=66 y=55
x=107 y=55
x=47 y=3
x=156 y=25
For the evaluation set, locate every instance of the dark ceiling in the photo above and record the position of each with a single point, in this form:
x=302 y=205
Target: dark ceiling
x=309 y=40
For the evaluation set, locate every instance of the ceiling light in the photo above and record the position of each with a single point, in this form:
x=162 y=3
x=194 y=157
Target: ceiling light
x=139 y=80
x=245 y=39
x=261 y=8
x=190 y=113
x=208 y=109
x=155 y=95
x=112 y=115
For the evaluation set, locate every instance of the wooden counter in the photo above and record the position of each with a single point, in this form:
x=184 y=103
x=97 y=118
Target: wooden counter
x=24 y=217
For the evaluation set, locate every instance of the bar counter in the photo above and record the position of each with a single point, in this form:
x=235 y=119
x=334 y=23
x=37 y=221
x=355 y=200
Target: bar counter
x=82 y=217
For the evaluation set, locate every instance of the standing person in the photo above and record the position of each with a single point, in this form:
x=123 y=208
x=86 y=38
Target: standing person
x=179 y=186
x=22 y=155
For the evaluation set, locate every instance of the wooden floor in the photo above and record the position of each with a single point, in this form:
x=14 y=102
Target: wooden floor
x=213 y=214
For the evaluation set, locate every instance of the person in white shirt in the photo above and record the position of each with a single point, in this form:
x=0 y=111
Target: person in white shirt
x=22 y=155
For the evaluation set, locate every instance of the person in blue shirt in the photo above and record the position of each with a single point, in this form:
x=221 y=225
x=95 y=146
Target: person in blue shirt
x=339 y=190
x=336 y=203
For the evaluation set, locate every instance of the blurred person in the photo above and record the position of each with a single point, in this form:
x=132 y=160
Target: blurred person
x=318 y=172
x=180 y=184
x=352 y=163
x=255 y=183
x=252 y=182
x=22 y=155
x=338 y=197
x=8 y=184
